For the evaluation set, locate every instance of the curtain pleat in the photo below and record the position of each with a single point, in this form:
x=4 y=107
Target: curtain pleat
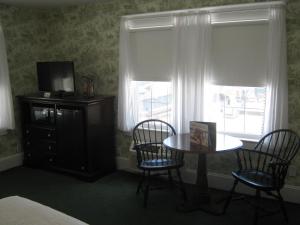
x=276 y=113
x=191 y=71
x=6 y=105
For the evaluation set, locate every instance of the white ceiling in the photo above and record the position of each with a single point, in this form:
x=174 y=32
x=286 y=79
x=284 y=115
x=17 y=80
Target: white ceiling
x=45 y=2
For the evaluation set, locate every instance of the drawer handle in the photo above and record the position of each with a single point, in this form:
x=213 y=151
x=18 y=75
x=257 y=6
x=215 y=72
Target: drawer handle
x=28 y=154
x=27 y=131
x=50 y=160
x=49 y=147
x=28 y=143
x=82 y=168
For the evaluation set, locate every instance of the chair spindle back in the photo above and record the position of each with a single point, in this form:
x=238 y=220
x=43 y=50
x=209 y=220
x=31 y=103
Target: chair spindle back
x=272 y=154
x=148 y=139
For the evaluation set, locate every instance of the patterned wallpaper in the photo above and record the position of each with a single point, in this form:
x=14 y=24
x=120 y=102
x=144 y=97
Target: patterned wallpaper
x=20 y=30
x=88 y=35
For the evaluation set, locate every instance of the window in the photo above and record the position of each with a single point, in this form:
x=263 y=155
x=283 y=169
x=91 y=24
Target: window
x=237 y=96
x=224 y=64
x=238 y=111
x=148 y=67
x=151 y=57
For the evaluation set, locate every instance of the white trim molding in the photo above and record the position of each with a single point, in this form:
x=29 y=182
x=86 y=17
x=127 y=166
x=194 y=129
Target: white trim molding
x=11 y=161
x=213 y=9
x=290 y=193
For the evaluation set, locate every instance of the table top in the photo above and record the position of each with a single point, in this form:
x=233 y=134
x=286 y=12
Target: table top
x=181 y=142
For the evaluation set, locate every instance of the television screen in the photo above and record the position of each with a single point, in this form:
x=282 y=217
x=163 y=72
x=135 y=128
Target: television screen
x=56 y=76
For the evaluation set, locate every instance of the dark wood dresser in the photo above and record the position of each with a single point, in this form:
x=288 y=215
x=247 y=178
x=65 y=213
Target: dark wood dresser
x=72 y=134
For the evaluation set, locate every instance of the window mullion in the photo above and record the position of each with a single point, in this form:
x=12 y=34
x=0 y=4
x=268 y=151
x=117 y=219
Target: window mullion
x=244 y=107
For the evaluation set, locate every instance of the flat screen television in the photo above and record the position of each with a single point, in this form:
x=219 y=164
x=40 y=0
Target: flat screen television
x=56 y=77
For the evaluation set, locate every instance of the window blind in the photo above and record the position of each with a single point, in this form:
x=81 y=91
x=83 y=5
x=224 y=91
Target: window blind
x=239 y=54
x=151 y=48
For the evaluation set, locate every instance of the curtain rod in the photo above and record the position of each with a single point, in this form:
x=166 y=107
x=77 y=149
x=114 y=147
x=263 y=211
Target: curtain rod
x=213 y=9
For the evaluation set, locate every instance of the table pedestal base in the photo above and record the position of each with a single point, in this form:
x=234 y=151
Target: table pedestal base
x=199 y=197
x=203 y=202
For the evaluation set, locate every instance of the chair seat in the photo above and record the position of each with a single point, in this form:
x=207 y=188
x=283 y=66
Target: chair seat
x=160 y=164
x=259 y=180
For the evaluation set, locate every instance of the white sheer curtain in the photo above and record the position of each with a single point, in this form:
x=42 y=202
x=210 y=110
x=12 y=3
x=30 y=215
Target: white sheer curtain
x=127 y=109
x=276 y=114
x=193 y=34
x=6 y=106
x=190 y=69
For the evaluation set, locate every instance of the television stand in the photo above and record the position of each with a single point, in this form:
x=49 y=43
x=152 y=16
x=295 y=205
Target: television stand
x=73 y=135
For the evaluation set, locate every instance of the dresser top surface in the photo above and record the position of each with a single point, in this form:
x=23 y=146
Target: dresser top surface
x=65 y=99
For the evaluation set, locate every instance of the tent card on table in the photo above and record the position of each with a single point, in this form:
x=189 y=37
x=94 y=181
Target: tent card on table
x=203 y=136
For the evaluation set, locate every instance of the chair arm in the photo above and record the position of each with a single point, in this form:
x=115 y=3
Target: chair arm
x=245 y=149
x=279 y=166
x=279 y=170
x=136 y=147
x=147 y=147
x=274 y=164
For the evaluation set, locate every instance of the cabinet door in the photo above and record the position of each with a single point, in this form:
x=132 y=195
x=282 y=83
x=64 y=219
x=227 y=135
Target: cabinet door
x=71 y=153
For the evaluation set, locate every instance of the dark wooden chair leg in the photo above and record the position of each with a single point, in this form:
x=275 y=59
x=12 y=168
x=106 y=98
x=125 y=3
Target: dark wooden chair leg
x=146 y=193
x=282 y=206
x=257 y=206
x=140 y=183
x=170 y=179
x=181 y=184
x=228 y=200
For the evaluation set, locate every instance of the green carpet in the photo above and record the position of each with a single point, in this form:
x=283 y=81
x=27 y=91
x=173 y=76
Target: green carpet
x=112 y=200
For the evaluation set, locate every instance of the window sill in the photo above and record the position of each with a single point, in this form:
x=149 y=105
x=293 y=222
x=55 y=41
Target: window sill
x=244 y=138
x=249 y=140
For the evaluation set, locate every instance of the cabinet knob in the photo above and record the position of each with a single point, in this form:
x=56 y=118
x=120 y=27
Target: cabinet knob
x=28 y=142
x=50 y=160
x=49 y=147
x=28 y=154
x=82 y=168
x=27 y=131
x=49 y=135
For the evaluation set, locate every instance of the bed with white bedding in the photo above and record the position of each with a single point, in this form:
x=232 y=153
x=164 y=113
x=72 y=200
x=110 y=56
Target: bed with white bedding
x=15 y=210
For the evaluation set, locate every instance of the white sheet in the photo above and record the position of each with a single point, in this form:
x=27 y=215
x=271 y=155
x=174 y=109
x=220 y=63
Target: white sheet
x=16 y=210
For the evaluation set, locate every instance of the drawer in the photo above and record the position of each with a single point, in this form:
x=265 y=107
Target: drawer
x=40 y=133
x=32 y=157
x=40 y=146
x=50 y=159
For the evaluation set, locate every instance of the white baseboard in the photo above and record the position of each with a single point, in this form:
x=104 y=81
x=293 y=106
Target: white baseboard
x=290 y=193
x=11 y=161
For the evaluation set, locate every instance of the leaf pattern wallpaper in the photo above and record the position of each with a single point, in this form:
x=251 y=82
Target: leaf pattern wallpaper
x=89 y=35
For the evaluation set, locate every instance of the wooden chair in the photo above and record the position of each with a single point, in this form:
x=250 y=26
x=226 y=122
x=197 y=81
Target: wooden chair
x=152 y=155
x=264 y=168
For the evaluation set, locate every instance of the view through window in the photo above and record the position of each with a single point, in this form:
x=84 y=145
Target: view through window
x=154 y=100
x=238 y=110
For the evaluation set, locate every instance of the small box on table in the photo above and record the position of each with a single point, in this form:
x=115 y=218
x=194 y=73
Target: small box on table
x=203 y=136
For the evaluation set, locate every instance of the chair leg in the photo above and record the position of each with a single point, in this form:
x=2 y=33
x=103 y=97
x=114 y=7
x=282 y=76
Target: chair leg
x=282 y=206
x=181 y=185
x=257 y=207
x=170 y=179
x=146 y=193
x=228 y=200
x=140 y=183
